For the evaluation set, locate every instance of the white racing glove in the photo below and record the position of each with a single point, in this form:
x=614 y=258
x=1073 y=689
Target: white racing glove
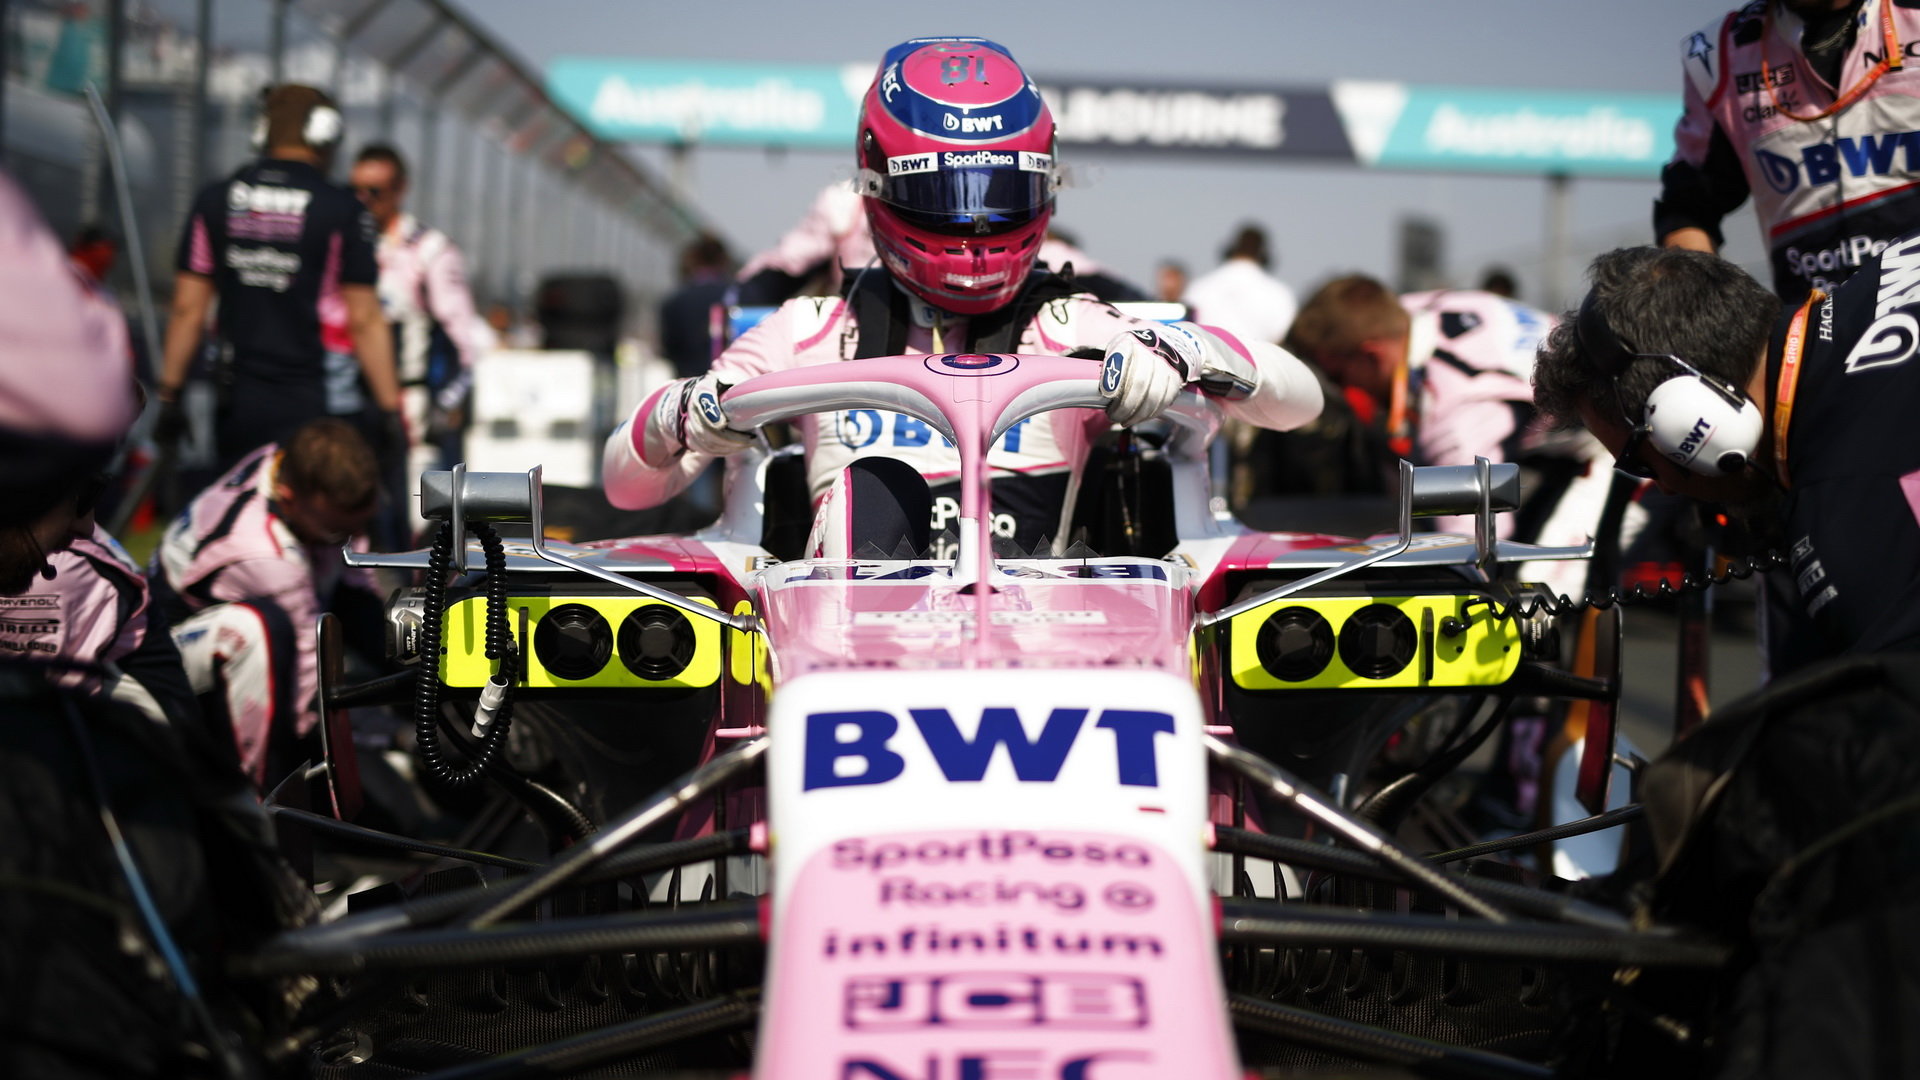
x=1146 y=369
x=689 y=417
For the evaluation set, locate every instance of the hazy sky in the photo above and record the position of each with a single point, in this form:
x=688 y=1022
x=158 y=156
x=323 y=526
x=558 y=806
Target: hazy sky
x=1131 y=212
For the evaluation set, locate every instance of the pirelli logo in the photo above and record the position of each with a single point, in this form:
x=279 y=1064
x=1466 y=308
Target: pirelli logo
x=1751 y=82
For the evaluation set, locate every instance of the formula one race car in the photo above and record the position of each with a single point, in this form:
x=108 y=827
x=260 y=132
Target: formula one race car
x=856 y=812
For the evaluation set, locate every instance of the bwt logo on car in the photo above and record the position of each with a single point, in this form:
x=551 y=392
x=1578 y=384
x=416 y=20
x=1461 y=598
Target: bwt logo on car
x=977 y=158
x=852 y=748
x=1828 y=162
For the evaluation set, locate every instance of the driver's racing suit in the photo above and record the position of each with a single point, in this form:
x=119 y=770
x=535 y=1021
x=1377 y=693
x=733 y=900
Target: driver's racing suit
x=1830 y=193
x=1045 y=454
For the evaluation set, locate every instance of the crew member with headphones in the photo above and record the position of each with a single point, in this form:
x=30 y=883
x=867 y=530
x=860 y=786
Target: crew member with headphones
x=290 y=256
x=1692 y=376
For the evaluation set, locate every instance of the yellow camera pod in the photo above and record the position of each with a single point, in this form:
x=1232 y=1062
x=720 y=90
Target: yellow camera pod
x=1486 y=654
x=464 y=660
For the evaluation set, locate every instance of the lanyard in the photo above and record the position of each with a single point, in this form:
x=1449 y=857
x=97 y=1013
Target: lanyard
x=1400 y=410
x=1791 y=354
x=1891 y=61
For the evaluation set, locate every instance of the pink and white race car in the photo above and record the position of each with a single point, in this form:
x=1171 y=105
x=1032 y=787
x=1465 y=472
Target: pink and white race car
x=851 y=812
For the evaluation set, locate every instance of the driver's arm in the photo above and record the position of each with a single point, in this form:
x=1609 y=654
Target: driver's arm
x=1285 y=395
x=646 y=460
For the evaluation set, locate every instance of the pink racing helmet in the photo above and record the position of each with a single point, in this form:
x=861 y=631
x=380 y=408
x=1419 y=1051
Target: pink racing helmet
x=957 y=170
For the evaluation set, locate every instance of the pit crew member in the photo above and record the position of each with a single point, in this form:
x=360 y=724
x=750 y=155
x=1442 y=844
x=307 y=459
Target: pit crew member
x=1692 y=375
x=290 y=257
x=245 y=572
x=1812 y=107
x=423 y=292
x=1443 y=375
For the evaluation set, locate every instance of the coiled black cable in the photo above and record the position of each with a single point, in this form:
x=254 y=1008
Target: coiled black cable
x=500 y=647
x=1565 y=605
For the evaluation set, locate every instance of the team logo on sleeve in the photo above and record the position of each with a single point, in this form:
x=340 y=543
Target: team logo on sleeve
x=1698 y=47
x=709 y=407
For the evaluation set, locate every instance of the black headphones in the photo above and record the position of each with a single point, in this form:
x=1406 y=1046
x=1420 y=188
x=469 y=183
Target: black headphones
x=1702 y=424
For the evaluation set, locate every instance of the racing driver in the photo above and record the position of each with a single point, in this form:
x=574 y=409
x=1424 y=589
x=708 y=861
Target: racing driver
x=957 y=175
x=1810 y=106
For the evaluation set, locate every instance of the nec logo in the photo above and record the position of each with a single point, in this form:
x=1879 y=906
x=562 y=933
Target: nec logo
x=1828 y=162
x=973 y=125
x=1690 y=446
x=846 y=749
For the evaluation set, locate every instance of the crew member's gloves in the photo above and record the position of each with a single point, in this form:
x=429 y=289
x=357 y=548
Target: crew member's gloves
x=169 y=425
x=689 y=417
x=1146 y=369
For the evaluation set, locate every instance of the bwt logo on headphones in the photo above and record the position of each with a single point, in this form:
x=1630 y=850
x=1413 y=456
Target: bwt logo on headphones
x=1690 y=446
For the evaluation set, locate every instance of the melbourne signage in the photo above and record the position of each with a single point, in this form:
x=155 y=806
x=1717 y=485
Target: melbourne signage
x=1379 y=124
x=1240 y=121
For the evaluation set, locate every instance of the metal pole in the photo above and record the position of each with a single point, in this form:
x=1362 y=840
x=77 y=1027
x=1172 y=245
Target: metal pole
x=7 y=38
x=203 y=63
x=1559 y=240
x=387 y=104
x=116 y=44
x=136 y=251
x=277 y=43
x=425 y=203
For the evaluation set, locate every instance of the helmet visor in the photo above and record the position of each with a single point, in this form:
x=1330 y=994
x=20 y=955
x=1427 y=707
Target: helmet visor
x=966 y=200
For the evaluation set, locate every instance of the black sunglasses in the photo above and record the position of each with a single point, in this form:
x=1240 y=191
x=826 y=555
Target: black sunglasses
x=370 y=192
